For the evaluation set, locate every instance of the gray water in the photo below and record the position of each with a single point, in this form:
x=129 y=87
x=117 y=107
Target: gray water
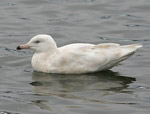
x=122 y=90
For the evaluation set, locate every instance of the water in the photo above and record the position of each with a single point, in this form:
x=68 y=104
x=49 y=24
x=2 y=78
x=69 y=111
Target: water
x=123 y=90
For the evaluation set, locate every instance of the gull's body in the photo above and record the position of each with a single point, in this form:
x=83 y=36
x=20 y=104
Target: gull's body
x=76 y=58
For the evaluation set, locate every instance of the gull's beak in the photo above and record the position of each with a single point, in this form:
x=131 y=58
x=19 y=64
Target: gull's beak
x=24 y=46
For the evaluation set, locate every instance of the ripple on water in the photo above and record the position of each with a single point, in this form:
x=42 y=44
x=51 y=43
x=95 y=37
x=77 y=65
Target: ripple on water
x=6 y=112
x=129 y=15
x=102 y=38
x=136 y=25
x=138 y=87
x=106 y=17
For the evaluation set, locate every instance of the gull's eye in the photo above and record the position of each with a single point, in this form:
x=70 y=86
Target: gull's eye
x=37 y=41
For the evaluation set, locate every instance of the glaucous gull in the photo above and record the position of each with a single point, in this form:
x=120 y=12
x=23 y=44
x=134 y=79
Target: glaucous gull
x=75 y=58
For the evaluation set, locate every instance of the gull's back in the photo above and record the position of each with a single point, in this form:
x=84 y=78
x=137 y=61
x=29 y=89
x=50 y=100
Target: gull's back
x=85 y=58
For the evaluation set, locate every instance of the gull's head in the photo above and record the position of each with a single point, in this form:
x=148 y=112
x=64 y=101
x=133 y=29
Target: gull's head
x=40 y=43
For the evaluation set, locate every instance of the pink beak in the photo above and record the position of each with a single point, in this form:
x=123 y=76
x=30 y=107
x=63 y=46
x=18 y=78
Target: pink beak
x=24 y=46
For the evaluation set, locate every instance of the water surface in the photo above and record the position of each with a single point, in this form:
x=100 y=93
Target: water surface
x=122 y=90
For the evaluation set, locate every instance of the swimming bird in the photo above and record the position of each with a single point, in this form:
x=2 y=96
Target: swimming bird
x=75 y=58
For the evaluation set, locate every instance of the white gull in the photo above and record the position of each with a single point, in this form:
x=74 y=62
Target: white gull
x=75 y=58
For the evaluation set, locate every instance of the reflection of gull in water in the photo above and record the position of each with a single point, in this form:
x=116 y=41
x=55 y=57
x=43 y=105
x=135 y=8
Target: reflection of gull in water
x=85 y=87
x=46 y=84
x=76 y=88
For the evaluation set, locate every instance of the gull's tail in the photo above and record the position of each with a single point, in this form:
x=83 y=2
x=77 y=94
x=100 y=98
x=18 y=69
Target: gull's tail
x=133 y=47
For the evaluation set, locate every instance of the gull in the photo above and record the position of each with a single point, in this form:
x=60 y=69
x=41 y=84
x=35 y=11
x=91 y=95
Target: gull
x=77 y=58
